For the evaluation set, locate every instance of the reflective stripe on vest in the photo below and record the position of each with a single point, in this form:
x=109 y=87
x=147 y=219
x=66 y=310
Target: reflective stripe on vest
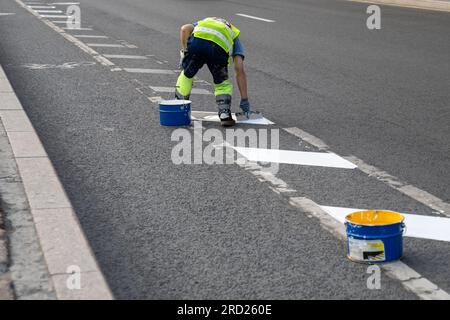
x=229 y=46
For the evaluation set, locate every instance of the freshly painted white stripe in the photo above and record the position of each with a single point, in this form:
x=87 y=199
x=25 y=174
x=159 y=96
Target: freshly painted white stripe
x=320 y=159
x=411 y=191
x=53 y=16
x=172 y=89
x=154 y=71
x=125 y=56
x=88 y=36
x=48 y=11
x=253 y=17
x=104 y=45
x=83 y=29
x=65 y=3
x=213 y=117
x=42 y=7
x=417 y=226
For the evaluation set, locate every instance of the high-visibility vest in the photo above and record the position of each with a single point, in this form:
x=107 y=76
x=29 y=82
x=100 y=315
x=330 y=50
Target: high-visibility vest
x=218 y=31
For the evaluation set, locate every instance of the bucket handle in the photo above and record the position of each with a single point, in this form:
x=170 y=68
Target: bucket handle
x=404 y=228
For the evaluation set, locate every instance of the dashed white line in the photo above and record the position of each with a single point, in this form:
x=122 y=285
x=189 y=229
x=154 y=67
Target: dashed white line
x=411 y=191
x=125 y=56
x=42 y=7
x=48 y=11
x=153 y=71
x=213 y=117
x=88 y=36
x=104 y=45
x=253 y=17
x=53 y=16
x=65 y=3
x=82 y=29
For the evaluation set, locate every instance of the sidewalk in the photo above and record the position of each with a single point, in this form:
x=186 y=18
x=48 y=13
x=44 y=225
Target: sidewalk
x=5 y=280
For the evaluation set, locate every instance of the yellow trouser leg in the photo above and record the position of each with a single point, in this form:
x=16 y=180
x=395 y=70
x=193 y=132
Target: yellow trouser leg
x=184 y=85
x=224 y=87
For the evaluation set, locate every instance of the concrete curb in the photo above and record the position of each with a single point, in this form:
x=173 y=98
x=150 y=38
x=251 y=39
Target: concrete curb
x=67 y=253
x=6 y=292
x=433 y=5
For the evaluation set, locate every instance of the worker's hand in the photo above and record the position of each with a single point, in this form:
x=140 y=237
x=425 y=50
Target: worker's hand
x=245 y=106
x=182 y=54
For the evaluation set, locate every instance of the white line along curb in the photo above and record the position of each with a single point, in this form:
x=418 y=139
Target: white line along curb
x=60 y=235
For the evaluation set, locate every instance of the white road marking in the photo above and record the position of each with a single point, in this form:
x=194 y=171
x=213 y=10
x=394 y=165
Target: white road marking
x=411 y=191
x=155 y=99
x=213 y=117
x=53 y=16
x=60 y=22
x=172 y=89
x=153 y=71
x=125 y=56
x=104 y=45
x=253 y=17
x=42 y=7
x=88 y=36
x=83 y=29
x=48 y=11
x=65 y=3
x=320 y=159
x=417 y=226
x=95 y=55
x=6 y=14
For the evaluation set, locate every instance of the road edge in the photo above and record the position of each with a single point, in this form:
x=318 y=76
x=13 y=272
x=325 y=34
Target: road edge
x=432 y=5
x=69 y=258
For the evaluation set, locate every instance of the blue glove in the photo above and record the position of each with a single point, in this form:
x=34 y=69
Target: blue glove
x=245 y=106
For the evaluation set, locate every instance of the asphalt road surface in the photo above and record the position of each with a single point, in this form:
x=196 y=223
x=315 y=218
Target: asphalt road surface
x=166 y=231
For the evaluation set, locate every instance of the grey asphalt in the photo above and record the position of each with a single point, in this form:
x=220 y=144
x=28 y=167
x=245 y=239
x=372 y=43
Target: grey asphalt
x=198 y=231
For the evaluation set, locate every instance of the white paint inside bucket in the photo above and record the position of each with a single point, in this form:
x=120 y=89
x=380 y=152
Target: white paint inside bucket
x=174 y=102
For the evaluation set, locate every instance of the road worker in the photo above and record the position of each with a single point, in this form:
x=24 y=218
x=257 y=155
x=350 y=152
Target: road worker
x=214 y=42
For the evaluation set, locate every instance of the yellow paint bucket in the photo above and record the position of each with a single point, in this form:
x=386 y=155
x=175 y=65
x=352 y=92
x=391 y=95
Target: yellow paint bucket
x=374 y=236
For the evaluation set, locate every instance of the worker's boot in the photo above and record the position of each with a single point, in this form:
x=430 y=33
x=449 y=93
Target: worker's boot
x=178 y=96
x=225 y=117
x=224 y=103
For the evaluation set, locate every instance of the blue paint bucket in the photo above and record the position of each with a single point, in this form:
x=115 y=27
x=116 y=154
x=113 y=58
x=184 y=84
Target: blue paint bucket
x=374 y=236
x=175 y=112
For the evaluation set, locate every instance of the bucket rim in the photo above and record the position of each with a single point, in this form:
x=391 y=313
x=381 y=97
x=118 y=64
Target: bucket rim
x=347 y=217
x=174 y=102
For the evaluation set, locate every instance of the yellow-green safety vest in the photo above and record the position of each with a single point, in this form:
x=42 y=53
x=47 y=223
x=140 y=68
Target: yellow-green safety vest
x=218 y=31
